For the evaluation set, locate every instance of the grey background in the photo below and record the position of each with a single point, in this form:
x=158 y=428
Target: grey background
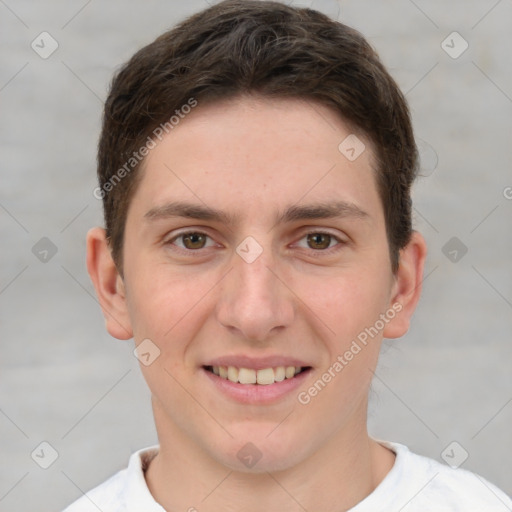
x=64 y=380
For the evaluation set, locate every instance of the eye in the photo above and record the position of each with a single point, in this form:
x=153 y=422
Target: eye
x=320 y=241
x=195 y=240
x=191 y=240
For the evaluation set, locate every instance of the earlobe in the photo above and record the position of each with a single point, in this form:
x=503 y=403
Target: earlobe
x=408 y=285
x=108 y=284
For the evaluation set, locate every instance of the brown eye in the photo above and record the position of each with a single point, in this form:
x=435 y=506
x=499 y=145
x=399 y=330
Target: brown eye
x=190 y=242
x=319 y=240
x=194 y=240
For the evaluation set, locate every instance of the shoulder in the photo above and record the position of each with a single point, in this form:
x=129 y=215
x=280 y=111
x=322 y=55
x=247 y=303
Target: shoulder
x=107 y=496
x=424 y=482
x=417 y=483
x=127 y=486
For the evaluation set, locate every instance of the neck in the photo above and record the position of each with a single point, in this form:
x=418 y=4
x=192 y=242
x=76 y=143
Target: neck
x=346 y=469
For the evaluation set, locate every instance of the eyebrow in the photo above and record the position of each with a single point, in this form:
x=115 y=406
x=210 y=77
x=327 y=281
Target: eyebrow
x=323 y=210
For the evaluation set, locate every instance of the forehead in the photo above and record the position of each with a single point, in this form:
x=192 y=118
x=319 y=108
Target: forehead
x=250 y=154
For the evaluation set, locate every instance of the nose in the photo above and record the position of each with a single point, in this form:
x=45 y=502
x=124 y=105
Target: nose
x=255 y=302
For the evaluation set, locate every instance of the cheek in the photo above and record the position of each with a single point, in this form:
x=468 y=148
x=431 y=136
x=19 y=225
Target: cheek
x=167 y=309
x=167 y=306
x=348 y=302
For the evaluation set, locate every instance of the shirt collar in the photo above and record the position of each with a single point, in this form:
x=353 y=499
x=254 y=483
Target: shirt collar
x=137 y=492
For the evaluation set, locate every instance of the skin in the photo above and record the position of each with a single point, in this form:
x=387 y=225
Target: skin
x=254 y=157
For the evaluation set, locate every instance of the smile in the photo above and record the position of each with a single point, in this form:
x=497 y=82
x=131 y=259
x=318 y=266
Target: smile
x=265 y=376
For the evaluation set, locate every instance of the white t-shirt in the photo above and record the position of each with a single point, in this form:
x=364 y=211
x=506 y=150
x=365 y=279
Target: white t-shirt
x=414 y=484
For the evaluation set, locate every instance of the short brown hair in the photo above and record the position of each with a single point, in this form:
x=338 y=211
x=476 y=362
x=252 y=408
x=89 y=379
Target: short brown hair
x=268 y=48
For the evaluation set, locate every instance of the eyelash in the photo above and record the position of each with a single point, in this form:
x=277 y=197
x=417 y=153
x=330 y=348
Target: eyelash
x=318 y=252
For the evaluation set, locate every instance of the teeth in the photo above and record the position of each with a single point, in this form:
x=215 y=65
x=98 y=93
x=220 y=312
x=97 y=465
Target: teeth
x=263 y=377
x=247 y=376
x=289 y=372
x=232 y=374
x=279 y=374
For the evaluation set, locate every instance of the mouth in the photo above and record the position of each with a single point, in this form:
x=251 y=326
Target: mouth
x=257 y=380
x=261 y=377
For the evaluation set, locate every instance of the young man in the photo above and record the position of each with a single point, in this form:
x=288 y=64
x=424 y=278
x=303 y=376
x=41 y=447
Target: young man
x=255 y=166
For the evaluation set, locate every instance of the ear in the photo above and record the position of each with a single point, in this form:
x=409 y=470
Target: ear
x=407 y=287
x=109 y=285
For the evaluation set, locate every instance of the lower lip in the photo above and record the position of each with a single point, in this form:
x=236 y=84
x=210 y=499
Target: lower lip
x=257 y=393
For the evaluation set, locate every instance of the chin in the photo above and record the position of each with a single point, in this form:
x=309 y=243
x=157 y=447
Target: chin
x=261 y=454
x=267 y=464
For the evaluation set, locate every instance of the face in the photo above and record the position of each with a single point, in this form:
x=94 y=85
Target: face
x=253 y=242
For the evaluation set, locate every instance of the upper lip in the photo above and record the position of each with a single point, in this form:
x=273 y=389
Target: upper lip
x=256 y=363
